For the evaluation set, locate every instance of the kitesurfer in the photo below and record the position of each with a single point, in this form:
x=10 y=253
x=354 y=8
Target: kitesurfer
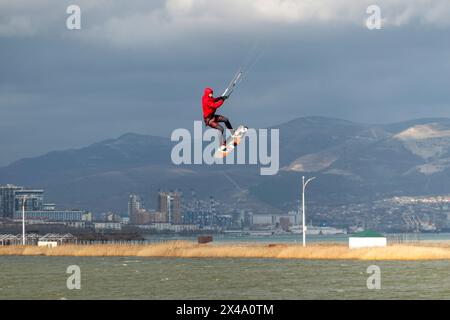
x=210 y=106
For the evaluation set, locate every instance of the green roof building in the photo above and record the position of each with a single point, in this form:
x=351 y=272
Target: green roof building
x=368 y=234
x=367 y=239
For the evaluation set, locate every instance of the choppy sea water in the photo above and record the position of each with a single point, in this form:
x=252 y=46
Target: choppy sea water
x=40 y=277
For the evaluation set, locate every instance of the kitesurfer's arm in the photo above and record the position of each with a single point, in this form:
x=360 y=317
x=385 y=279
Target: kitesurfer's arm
x=220 y=98
x=215 y=103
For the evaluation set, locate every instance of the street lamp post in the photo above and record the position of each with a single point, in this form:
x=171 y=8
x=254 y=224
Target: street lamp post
x=304 y=183
x=24 y=199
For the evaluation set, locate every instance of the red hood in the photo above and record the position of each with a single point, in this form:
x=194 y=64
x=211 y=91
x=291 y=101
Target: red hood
x=208 y=91
x=210 y=104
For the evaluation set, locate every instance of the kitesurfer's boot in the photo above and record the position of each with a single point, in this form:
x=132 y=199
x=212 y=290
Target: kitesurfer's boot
x=236 y=139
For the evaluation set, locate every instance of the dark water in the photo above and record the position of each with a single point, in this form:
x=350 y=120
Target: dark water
x=174 y=278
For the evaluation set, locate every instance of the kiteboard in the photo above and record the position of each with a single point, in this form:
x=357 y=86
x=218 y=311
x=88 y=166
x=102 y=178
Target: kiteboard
x=232 y=142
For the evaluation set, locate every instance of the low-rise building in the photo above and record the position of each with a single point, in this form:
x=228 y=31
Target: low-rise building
x=367 y=239
x=76 y=224
x=107 y=225
x=273 y=219
x=170 y=227
x=56 y=215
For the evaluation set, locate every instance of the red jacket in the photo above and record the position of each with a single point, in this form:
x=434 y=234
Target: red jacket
x=210 y=104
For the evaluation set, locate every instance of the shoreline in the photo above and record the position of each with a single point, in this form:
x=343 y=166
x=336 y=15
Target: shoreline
x=185 y=249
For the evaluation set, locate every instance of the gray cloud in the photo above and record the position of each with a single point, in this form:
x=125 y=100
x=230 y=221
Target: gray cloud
x=141 y=67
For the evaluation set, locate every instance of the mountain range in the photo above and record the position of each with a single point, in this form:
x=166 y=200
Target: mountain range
x=353 y=162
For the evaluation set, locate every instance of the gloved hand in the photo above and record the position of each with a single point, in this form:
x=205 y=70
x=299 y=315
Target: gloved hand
x=224 y=98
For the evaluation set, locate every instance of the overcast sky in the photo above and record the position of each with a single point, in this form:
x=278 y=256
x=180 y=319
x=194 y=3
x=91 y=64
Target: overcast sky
x=141 y=66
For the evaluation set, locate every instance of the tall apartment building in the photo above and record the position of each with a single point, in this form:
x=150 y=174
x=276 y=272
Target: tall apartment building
x=169 y=204
x=134 y=207
x=8 y=200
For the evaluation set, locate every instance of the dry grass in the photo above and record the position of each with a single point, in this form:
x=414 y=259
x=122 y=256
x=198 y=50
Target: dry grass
x=184 y=249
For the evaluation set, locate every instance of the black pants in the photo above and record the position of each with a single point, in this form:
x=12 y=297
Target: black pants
x=213 y=122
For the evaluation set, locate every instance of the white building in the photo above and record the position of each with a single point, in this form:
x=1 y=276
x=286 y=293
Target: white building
x=49 y=244
x=76 y=224
x=272 y=219
x=367 y=239
x=107 y=226
x=170 y=227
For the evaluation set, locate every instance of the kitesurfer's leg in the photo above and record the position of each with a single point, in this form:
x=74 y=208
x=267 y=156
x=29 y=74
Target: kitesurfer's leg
x=220 y=118
x=215 y=124
x=225 y=120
